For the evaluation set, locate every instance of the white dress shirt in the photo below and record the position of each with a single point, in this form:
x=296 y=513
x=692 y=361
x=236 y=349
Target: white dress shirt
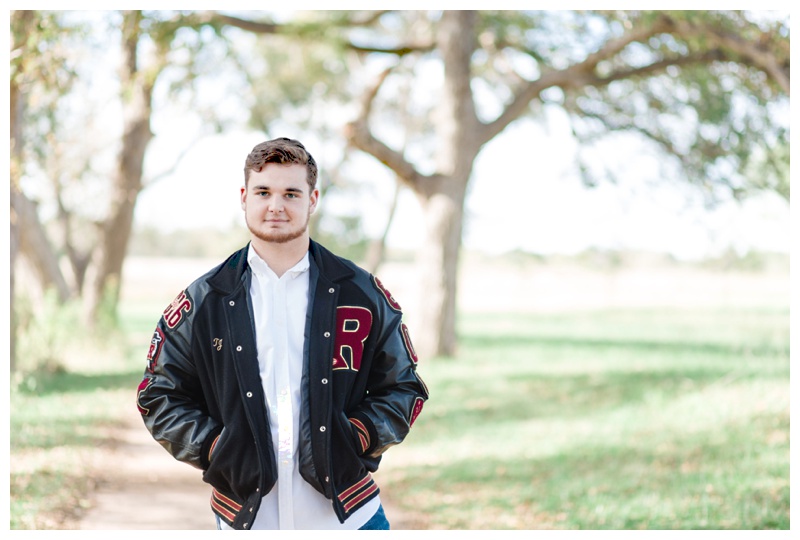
x=279 y=309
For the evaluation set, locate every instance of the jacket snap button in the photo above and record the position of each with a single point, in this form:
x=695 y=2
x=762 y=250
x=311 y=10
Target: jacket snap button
x=327 y=334
x=249 y=394
x=322 y=428
x=324 y=381
x=327 y=479
x=239 y=348
x=231 y=303
x=331 y=290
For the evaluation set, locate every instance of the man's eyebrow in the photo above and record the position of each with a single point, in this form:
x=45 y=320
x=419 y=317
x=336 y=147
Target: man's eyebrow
x=262 y=187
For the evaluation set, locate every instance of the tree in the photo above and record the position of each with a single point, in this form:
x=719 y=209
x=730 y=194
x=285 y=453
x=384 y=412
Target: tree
x=709 y=89
x=32 y=53
x=136 y=90
x=43 y=59
x=706 y=87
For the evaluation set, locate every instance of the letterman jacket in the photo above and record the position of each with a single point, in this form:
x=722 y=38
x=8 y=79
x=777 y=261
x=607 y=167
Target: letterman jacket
x=202 y=399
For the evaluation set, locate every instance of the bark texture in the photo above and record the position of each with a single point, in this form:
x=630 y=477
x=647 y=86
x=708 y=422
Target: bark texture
x=137 y=90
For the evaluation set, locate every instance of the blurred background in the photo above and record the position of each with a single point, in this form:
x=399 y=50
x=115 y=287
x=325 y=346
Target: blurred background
x=584 y=214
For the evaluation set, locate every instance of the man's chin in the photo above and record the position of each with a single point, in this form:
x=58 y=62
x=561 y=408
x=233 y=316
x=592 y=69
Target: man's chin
x=276 y=237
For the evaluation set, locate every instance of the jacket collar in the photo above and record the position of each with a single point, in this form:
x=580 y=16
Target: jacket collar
x=230 y=274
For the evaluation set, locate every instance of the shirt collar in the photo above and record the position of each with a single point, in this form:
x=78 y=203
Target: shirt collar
x=262 y=268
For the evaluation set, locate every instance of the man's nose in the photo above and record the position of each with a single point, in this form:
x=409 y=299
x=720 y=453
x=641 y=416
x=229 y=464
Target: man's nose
x=275 y=204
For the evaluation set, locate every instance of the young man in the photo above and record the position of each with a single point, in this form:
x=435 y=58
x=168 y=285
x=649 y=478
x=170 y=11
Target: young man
x=285 y=372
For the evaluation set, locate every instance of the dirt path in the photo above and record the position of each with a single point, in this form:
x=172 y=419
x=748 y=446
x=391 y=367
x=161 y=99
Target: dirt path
x=142 y=487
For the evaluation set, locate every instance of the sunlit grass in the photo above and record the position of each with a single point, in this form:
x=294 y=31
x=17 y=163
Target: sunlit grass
x=657 y=419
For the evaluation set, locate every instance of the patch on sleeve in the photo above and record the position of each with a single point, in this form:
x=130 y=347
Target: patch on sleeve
x=146 y=382
x=156 y=343
x=176 y=312
x=389 y=298
x=417 y=409
x=407 y=341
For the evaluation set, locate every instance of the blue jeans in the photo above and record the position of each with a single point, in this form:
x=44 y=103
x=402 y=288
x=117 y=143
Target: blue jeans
x=377 y=522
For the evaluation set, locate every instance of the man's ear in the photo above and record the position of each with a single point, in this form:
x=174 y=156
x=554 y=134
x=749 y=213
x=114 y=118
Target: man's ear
x=243 y=196
x=313 y=199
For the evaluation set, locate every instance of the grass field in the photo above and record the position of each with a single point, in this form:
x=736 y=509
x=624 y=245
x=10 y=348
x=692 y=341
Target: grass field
x=634 y=414
x=621 y=419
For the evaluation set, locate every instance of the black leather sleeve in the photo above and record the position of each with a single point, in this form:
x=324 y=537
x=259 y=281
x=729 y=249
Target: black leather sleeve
x=396 y=393
x=170 y=398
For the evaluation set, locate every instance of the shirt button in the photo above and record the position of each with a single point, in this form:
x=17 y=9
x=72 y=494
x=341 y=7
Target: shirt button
x=239 y=348
x=327 y=479
x=322 y=428
x=327 y=334
x=324 y=381
x=231 y=303
x=331 y=290
x=249 y=394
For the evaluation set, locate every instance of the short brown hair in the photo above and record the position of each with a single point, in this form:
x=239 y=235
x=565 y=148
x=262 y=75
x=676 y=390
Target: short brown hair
x=283 y=151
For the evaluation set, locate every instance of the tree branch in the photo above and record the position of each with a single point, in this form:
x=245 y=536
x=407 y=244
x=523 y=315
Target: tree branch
x=358 y=134
x=660 y=66
x=401 y=50
x=257 y=27
x=576 y=75
x=751 y=53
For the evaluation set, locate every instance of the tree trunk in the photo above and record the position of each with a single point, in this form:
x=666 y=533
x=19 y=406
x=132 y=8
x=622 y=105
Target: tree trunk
x=437 y=264
x=137 y=88
x=442 y=198
x=15 y=126
x=35 y=245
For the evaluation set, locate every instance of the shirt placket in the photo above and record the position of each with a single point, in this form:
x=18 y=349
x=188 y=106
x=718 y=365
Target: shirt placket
x=283 y=405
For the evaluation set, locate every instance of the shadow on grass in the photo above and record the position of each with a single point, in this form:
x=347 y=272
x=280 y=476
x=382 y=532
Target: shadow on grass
x=527 y=396
x=66 y=409
x=500 y=342
x=727 y=478
x=47 y=434
x=66 y=382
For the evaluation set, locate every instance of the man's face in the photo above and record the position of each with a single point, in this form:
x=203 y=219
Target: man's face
x=277 y=202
